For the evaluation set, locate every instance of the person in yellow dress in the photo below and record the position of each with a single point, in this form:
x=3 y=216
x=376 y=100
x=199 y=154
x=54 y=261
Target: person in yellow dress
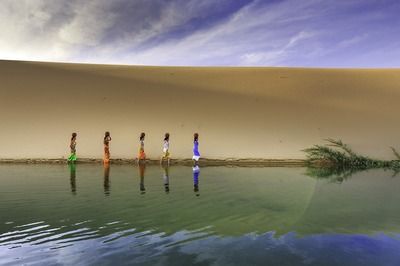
x=166 y=154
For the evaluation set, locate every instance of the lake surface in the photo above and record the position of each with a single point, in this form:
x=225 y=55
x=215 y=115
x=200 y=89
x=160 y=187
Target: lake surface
x=130 y=215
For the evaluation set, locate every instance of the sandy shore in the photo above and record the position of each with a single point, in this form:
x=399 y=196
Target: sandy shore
x=187 y=162
x=240 y=113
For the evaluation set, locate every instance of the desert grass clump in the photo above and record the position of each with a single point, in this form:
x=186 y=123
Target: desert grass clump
x=337 y=157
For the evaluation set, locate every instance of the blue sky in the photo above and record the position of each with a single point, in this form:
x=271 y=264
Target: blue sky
x=309 y=33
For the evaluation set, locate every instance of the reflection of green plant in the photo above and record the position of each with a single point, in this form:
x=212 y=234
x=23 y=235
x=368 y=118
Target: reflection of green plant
x=396 y=171
x=339 y=160
x=335 y=174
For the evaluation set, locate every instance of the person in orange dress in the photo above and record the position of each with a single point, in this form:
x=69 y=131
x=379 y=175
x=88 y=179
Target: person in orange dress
x=142 y=154
x=107 y=139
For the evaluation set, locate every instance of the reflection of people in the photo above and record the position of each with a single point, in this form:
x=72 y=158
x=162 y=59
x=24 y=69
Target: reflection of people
x=72 y=145
x=196 y=153
x=107 y=179
x=196 y=173
x=142 y=169
x=142 y=154
x=107 y=139
x=166 y=149
x=72 y=172
x=166 y=178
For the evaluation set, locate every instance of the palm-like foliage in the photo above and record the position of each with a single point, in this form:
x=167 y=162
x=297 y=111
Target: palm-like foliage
x=395 y=153
x=337 y=158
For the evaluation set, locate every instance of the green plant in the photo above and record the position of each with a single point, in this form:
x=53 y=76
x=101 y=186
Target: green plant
x=338 y=159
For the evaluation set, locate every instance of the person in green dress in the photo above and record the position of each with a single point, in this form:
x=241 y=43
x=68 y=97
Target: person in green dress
x=72 y=145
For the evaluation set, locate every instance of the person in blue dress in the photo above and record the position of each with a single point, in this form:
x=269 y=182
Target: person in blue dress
x=196 y=153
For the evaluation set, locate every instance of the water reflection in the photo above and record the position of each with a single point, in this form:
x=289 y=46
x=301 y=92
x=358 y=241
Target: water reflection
x=196 y=174
x=339 y=174
x=142 y=170
x=106 y=179
x=72 y=174
x=166 y=178
x=249 y=216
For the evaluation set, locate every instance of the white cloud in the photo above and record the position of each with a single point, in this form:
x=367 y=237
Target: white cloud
x=160 y=32
x=28 y=30
x=244 y=39
x=93 y=31
x=352 y=41
x=276 y=55
x=89 y=23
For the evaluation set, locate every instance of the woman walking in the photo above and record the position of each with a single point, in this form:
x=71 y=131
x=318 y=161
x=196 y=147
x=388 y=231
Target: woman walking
x=165 y=149
x=196 y=153
x=107 y=139
x=72 y=145
x=142 y=154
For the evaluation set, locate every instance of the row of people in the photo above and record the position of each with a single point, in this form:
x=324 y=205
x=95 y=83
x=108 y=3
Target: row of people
x=141 y=155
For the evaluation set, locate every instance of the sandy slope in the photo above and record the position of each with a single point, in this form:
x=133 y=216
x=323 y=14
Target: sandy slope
x=238 y=112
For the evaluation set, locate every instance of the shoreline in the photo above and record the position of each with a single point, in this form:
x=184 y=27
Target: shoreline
x=185 y=162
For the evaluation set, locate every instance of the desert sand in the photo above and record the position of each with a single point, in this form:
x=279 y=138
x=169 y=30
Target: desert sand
x=241 y=113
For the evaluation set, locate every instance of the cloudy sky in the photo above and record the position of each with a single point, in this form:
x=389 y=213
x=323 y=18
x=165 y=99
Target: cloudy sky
x=311 y=33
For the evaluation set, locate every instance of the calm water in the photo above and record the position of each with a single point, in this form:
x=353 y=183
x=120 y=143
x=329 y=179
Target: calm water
x=124 y=215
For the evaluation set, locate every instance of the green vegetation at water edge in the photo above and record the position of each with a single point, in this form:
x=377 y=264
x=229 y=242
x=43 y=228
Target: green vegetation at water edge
x=338 y=159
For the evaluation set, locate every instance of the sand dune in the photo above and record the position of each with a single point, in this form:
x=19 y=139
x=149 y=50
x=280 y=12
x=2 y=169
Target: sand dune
x=238 y=112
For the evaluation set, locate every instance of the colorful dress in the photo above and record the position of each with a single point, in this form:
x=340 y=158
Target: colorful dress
x=142 y=154
x=196 y=153
x=166 y=150
x=72 y=157
x=107 y=150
